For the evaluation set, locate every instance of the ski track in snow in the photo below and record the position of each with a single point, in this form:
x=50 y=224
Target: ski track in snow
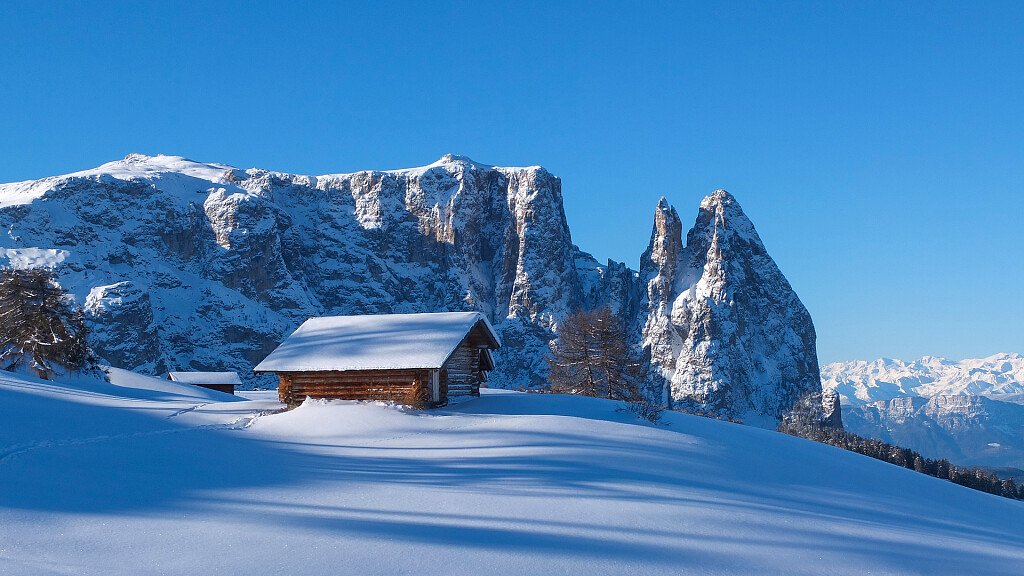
x=13 y=451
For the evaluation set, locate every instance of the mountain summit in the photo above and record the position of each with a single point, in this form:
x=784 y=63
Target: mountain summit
x=725 y=328
x=194 y=266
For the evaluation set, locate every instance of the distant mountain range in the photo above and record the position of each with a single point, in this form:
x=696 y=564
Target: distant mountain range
x=1000 y=377
x=970 y=412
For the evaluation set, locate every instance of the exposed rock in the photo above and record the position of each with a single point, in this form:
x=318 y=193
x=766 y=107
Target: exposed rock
x=193 y=266
x=123 y=332
x=226 y=262
x=724 y=327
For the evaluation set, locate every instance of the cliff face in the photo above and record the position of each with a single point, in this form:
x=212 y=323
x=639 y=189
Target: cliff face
x=724 y=327
x=185 y=265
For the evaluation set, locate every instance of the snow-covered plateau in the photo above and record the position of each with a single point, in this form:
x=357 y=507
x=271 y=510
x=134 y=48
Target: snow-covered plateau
x=184 y=265
x=145 y=476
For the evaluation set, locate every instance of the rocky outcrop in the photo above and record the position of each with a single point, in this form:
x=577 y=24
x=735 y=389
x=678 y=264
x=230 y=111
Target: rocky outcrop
x=124 y=332
x=192 y=266
x=206 y=267
x=724 y=328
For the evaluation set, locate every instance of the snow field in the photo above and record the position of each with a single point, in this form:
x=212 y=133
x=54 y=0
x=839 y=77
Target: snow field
x=150 y=480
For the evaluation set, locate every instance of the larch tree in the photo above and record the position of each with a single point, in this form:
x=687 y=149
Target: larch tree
x=592 y=357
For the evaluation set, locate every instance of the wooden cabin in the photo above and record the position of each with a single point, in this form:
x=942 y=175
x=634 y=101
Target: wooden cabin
x=219 y=381
x=422 y=360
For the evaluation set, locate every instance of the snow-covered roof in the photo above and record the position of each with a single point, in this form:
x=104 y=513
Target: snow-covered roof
x=205 y=377
x=374 y=342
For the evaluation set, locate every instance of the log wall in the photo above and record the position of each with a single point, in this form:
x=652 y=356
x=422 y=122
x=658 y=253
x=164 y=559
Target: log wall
x=461 y=373
x=410 y=387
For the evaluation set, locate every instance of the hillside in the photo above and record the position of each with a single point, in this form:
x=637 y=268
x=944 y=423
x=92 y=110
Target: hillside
x=146 y=477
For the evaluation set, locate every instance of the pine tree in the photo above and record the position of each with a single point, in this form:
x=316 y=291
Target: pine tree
x=39 y=328
x=919 y=465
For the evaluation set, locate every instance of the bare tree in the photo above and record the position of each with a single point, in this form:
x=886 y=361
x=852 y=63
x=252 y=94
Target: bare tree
x=592 y=357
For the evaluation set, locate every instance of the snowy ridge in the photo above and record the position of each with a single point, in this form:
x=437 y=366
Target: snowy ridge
x=174 y=173
x=1000 y=376
x=967 y=411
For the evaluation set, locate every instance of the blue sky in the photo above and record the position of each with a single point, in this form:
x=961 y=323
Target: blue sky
x=878 y=147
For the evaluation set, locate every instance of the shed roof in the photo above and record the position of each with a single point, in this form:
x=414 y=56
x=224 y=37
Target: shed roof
x=221 y=378
x=375 y=342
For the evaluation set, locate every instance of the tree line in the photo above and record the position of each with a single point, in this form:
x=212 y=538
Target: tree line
x=971 y=477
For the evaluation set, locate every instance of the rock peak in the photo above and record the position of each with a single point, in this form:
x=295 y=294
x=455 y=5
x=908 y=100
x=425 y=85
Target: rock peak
x=455 y=158
x=710 y=319
x=664 y=206
x=719 y=197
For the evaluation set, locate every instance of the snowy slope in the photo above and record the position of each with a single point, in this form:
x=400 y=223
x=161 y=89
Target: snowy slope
x=508 y=483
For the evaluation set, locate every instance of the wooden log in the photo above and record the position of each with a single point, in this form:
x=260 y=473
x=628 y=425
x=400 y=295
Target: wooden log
x=402 y=386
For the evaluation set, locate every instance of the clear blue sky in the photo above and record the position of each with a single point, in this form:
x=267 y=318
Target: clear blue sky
x=878 y=147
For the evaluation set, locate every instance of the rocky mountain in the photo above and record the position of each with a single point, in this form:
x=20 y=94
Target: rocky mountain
x=187 y=265
x=1000 y=377
x=965 y=429
x=723 y=325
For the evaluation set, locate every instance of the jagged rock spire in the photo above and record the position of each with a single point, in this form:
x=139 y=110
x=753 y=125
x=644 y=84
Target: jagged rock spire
x=724 y=327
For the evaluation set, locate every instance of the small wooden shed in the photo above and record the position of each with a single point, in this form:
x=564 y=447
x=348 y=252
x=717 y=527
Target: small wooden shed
x=219 y=381
x=417 y=359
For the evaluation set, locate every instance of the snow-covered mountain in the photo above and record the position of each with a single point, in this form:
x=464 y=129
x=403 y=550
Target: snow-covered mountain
x=1000 y=377
x=723 y=325
x=965 y=429
x=188 y=265
x=969 y=412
